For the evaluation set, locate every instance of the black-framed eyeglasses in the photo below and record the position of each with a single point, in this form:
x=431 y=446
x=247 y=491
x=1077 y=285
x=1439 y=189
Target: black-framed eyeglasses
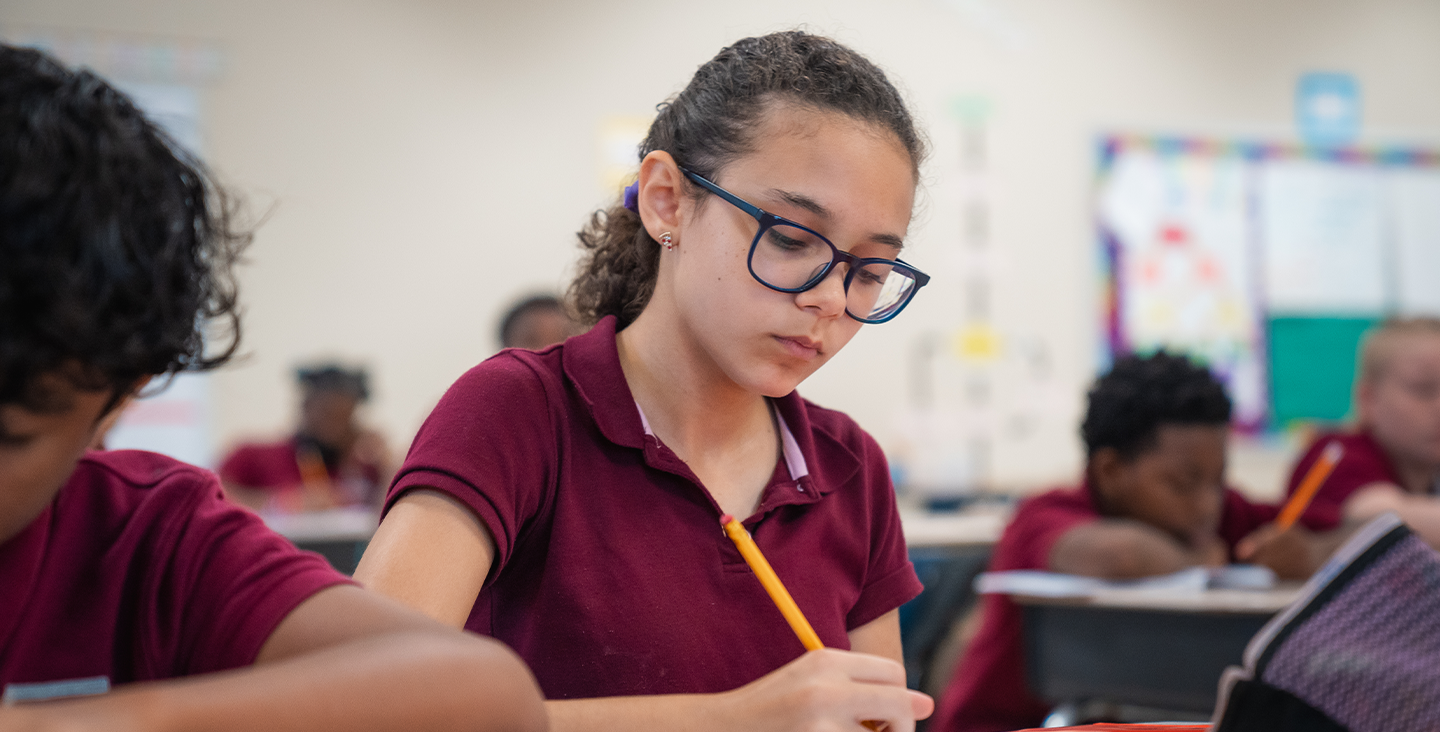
x=788 y=257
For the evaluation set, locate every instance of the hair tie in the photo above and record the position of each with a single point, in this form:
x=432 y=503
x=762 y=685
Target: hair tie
x=632 y=196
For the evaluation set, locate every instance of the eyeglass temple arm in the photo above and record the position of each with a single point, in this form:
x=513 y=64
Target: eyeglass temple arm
x=755 y=211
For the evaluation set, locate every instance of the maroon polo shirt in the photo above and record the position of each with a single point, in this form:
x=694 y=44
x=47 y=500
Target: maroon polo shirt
x=612 y=576
x=988 y=692
x=1364 y=462
x=274 y=466
x=140 y=570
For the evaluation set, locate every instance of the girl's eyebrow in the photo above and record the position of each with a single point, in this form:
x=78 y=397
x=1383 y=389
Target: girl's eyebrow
x=815 y=207
x=801 y=200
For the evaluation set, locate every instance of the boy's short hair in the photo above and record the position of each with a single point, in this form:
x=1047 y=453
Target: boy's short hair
x=1128 y=405
x=334 y=377
x=510 y=322
x=115 y=246
x=1377 y=349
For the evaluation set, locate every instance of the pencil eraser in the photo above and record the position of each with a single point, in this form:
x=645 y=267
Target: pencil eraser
x=726 y=519
x=1333 y=451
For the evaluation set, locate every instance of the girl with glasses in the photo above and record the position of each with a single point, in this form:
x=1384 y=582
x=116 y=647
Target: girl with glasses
x=567 y=501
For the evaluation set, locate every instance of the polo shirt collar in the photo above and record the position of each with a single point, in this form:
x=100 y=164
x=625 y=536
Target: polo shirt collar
x=794 y=459
x=817 y=460
x=592 y=363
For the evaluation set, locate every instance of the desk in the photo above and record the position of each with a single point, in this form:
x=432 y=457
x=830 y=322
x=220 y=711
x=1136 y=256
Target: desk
x=948 y=550
x=1148 y=648
x=338 y=534
x=973 y=528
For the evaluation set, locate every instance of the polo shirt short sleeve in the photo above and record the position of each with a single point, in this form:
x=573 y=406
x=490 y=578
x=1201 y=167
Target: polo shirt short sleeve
x=255 y=465
x=140 y=570
x=612 y=576
x=1364 y=462
x=989 y=691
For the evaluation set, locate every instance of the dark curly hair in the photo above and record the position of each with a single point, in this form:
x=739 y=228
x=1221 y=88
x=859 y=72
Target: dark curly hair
x=712 y=122
x=115 y=247
x=1141 y=393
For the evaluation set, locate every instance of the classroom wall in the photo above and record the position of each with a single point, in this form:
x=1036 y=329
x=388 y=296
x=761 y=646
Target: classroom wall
x=419 y=164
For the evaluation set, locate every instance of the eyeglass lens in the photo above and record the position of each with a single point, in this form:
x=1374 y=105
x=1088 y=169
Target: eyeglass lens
x=791 y=258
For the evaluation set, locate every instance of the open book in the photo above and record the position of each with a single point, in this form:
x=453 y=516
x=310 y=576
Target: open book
x=1358 y=651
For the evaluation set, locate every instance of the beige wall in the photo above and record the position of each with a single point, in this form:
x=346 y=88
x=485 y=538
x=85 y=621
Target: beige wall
x=424 y=162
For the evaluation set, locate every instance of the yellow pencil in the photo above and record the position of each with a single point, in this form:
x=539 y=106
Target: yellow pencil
x=1314 y=478
x=778 y=594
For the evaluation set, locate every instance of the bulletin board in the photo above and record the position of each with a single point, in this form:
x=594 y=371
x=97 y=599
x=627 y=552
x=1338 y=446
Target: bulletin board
x=1266 y=261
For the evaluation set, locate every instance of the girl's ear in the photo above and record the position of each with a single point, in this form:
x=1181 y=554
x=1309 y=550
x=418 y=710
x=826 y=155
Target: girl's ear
x=662 y=191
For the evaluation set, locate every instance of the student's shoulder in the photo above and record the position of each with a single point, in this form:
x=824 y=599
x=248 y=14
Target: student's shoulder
x=838 y=427
x=138 y=470
x=1072 y=501
x=1038 y=523
x=1364 y=460
x=1358 y=445
x=117 y=485
x=259 y=451
x=513 y=371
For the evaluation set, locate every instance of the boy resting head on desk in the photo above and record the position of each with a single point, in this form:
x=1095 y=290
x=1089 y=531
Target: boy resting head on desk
x=1153 y=501
x=127 y=568
x=1391 y=461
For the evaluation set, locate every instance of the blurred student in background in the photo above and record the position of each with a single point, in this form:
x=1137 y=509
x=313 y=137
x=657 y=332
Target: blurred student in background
x=1153 y=501
x=536 y=322
x=132 y=595
x=330 y=461
x=1391 y=461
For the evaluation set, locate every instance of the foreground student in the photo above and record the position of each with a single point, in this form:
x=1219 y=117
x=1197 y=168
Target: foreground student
x=128 y=568
x=1391 y=462
x=1153 y=502
x=568 y=501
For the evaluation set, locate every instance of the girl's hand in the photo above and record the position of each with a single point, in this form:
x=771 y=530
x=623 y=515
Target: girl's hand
x=827 y=690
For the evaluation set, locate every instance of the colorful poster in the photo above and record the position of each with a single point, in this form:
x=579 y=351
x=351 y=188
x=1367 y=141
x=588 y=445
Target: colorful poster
x=1180 y=229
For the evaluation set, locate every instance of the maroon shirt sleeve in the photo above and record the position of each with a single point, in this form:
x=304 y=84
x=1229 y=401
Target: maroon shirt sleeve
x=890 y=579
x=233 y=580
x=262 y=466
x=1038 y=524
x=1362 y=464
x=238 y=468
x=1240 y=516
x=490 y=443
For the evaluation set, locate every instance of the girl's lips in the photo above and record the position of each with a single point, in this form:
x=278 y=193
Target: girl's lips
x=799 y=347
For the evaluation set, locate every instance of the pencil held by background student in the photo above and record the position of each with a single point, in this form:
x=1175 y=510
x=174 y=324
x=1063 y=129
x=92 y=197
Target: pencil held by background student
x=1392 y=452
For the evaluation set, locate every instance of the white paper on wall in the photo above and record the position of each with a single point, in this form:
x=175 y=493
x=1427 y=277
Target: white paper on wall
x=1415 y=206
x=1323 y=226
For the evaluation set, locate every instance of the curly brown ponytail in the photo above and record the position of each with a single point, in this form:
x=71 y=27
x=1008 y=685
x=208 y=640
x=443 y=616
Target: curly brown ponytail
x=709 y=124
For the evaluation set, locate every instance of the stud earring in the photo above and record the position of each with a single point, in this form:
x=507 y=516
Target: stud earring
x=667 y=241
